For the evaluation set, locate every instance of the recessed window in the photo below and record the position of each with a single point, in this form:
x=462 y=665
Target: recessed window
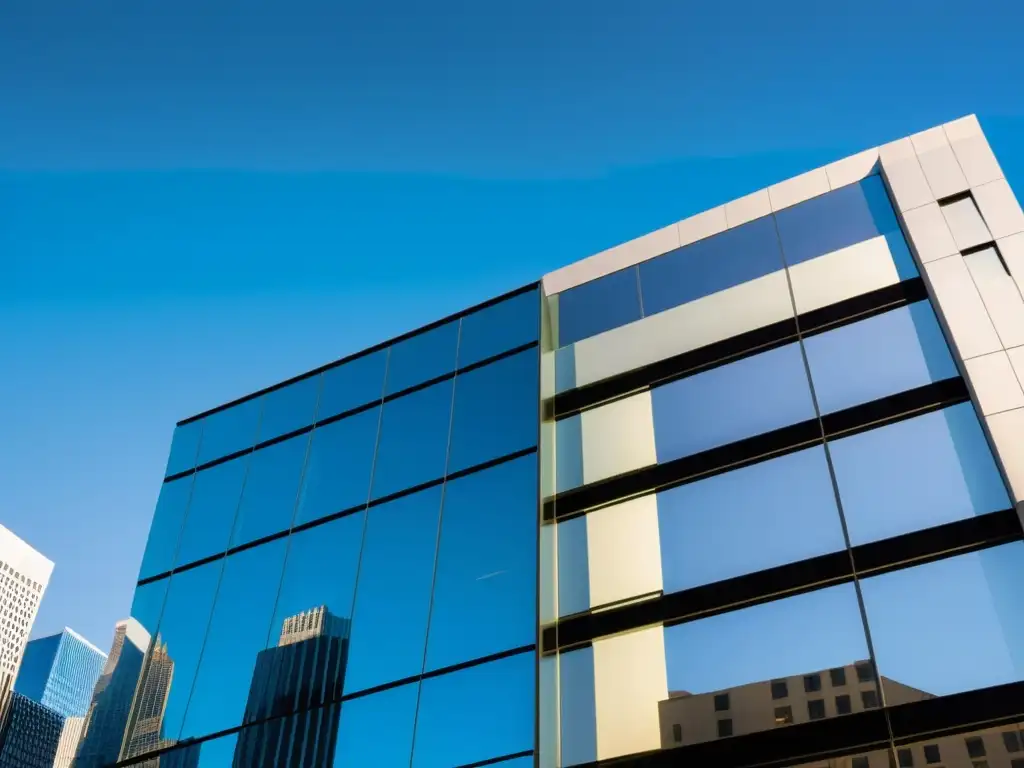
x=869 y=699
x=780 y=690
x=860 y=762
x=816 y=709
x=721 y=702
x=725 y=727
x=865 y=671
x=784 y=715
x=906 y=758
x=837 y=676
x=932 y=754
x=1017 y=763
x=843 y=706
x=1011 y=740
x=677 y=733
x=812 y=683
x=975 y=746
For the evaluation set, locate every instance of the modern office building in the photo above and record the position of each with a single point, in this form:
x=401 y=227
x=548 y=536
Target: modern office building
x=67 y=746
x=29 y=734
x=60 y=671
x=745 y=491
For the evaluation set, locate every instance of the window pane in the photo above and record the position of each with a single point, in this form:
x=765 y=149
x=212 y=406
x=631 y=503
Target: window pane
x=289 y=408
x=597 y=306
x=496 y=411
x=565 y=369
x=733 y=257
x=568 y=453
x=237 y=635
x=573 y=567
x=211 y=512
x=578 y=714
x=501 y=327
x=230 y=430
x=422 y=357
x=965 y=223
x=726 y=404
x=305 y=739
x=452 y=728
x=166 y=526
x=271 y=489
x=184 y=447
x=880 y=356
x=377 y=729
x=340 y=462
x=216 y=753
x=352 y=384
x=413 y=443
x=393 y=596
x=486 y=565
x=972 y=609
x=718 y=528
x=886 y=477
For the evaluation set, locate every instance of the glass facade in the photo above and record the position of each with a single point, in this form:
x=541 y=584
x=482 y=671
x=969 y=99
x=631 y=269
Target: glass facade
x=60 y=672
x=29 y=734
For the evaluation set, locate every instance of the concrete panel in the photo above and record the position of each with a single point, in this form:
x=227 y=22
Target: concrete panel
x=903 y=172
x=1017 y=363
x=995 y=383
x=929 y=233
x=624 y=550
x=799 y=188
x=748 y=208
x=852 y=169
x=965 y=223
x=938 y=162
x=720 y=316
x=1000 y=294
x=972 y=151
x=999 y=208
x=604 y=263
x=960 y=305
x=843 y=274
x=630 y=678
x=1006 y=429
x=1012 y=249
x=618 y=437
x=702 y=225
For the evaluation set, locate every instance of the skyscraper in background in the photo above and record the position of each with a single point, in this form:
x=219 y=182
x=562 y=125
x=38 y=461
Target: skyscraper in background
x=29 y=734
x=60 y=672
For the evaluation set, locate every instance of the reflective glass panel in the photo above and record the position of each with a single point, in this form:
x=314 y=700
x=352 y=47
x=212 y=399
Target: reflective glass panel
x=215 y=753
x=568 y=453
x=498 y=328
x=413 y=443
x=147 y=606
x=230 y=430
x=733 y=257
x=377 y=729
x=389 y=626
x=573 y=567
x=496 y=411
x=184 y=447
x=352 y=384
x=163 y=533
x=422 y=357
x=718 y=528
x=211 y=512
x=887 y=477
x=486 y=565
x=289 y=408
x=175 y=653
x=454 y=728
x=304 y=739
x=565 y=369
x=340 y=462
x=271 y=490
x=928 y=620
x=578 y=715
x=749 y=397
x=597 y=306
x=883 y=355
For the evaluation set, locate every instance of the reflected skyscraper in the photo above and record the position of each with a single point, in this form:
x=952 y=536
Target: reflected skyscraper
x=146 y=726
x=29 y=734
x=60 y=671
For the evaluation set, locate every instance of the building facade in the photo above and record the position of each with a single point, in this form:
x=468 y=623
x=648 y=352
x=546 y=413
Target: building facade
x=60 y=672
x=29 y=734
x=746 y=491
x=67 y=746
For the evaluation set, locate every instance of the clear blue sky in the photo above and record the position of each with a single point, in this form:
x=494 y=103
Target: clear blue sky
x=198 y=199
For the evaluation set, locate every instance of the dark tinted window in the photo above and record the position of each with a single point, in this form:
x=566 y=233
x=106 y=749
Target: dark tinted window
x=812 y=683
x=184 y=447
x=816 y=709
x=725 y=727
x=780 y=689
x=352 y=384
x=975 y=746
x=422 y=357
x=230 y=430
x=838 y=676
x=377 y=729
x=783 y=715
x=906 y=757
x=499 y=328
x=721 y=702
x=271 y=490
x=869 y=699
x=843 y=705
x=289 y=408
x=211 y=512
x=598 y=306
x=1011 y=740
x=932 y=754
x=170 y=512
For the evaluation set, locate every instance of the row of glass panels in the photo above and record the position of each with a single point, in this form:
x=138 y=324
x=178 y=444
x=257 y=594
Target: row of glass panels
x=456 y=344
x=445 y=428
x=819 y=226
x=430 y=580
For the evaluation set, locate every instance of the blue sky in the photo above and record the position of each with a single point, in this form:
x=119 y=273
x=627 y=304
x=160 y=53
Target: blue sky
x=199 y=199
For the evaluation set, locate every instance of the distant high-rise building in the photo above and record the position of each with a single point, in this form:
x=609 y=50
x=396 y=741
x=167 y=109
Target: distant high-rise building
x=151 y=699
x=24 y=574
x=60 y=672
x=70 y=734
x=29 y=734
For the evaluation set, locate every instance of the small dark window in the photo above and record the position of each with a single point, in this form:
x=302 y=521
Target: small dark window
x=975 y=746
x=812 y=683
x=724 y=728
x=721 y=702
x=1017 y=762
x=865 y=672
x=906 y=758
x=677 y=733
x=1011 y=740
x=843 y=706
x=779 y=689
x=816 y=709
x=838 y=676
x=784 y=715
x=860 y=762
x=869 y=699
x=931 y=754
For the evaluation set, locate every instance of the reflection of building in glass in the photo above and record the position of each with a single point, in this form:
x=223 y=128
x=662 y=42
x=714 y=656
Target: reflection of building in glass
x=306 y=668
x=151 y=700
x=68 y=744
x=104 y=728
x=29 y=734
x=60 y=672
x=695 y=718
